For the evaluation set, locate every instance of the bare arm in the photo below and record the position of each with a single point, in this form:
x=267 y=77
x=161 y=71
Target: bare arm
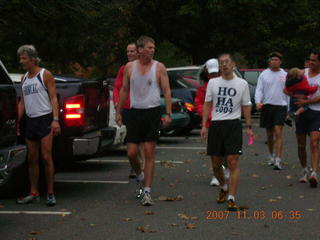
x=247 y=117
x=123 y=93
x=51 y=86
x=165 y=86
x=205 y=116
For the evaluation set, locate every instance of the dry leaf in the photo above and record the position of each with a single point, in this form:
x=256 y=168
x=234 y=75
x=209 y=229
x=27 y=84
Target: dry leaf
x=243 y=207
x=148 y=213
x=263 y=188
x=92 y=225
x=191 y=226
x=173 y=224
x=310 y=209
x=179 y=198
x=279 y=197
x=272 y=200
x=194 y=218
x=127 y=219
x=293 y=166
x=162 y=198
x=188 y=171
x=288 y=177
x=34 y=233
x=152 y=230
x=301 y=196
x=183 y=216
x=141 y=229
x=254 y=175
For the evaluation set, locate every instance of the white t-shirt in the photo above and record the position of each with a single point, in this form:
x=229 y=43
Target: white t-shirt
x=315 y=81
x=227 y=97
x=270 y=88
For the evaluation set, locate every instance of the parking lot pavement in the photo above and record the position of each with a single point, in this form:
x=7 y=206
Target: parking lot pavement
x=96 y=200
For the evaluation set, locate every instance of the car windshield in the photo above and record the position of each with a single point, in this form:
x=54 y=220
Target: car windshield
x=177 y=81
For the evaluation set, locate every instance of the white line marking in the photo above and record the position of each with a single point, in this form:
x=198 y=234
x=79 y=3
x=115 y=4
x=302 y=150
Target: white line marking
x=182 y=148
x=89 y=181
x=36 y=212
x=125 y=161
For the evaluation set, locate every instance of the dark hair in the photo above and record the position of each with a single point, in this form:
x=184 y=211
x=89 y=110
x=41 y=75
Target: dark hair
x=316 y=51
x=204 y=74
x=143 y=40
x=132 y=43
x=226 y=54
x=275 y=54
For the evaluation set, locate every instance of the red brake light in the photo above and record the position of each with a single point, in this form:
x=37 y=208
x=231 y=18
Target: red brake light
x=74 y=111
x=189 y=107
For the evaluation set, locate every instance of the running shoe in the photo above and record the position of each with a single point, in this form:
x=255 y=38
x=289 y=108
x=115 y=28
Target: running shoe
x=313 y=180
x=305 y=175
x=222 y=196
x=147 y=200
x=277 y=164
x=51 y=200
x=29 y=199
x=139 y=189
x=214 y=181
x=132 y=174
x=271 y=161
x=232 y=205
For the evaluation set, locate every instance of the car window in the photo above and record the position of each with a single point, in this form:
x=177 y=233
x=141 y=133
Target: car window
x=176 y=81
x=252 y=77
x=4 y=78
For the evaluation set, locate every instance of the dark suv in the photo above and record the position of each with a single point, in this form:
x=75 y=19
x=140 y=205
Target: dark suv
x=12 y=155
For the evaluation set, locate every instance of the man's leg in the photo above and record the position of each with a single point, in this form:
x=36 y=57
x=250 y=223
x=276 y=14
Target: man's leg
x=270 y=142
x=46 y=153
x=132 y=152
x=33 y=165
x=141 y=156
x=314 y=147
x=149 y=150
x=302 y=153
x=217 y=169
x=278 y=140
x=233 y=163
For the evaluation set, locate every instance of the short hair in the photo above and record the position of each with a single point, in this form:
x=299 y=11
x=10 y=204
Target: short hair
x=226 y=54
x=143 y=40
x=316 y=51
x=132 y=43
x=275 y=54
x=30 y=50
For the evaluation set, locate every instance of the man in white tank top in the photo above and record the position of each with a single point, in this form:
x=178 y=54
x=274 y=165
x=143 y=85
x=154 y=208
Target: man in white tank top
x=146 y=78
x=39 y=102
x=309 y=122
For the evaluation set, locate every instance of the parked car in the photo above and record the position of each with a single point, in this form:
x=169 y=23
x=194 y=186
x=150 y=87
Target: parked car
x=179 y=117
x=251 y=76
x=84 y=119
x=12 y=154
x=189 y=73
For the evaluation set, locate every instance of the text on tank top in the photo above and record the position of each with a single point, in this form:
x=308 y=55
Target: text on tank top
x=36 y=98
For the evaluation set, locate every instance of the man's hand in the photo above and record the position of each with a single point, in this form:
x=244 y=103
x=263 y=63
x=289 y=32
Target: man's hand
x=204 y=133
x=118 y=119
x=301 y=102
x=167 y=120
x=55 y=128
x=259 y=106
x=250 y=136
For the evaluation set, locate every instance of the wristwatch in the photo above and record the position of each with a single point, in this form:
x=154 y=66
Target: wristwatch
x=56 y=119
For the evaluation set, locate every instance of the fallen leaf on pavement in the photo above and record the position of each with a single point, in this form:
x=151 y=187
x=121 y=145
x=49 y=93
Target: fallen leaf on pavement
x=243 y=207
x=279 y=197
x=173 y=224
x=263 y=188
x=254 y=175
x=141 y=228
x=188 y=171
x=310 y=209
x=301 y=196
x=194 y=218
x=34 y=233
x=152 y=230
x=191 y=226
x=148 y=213
x=290 y=185
x=288 y=177
x=162 y=198
x=272 y=200
x=92 y=225
x=179 y=198
x=293 y=166
x=126 y=219
x=183 y=216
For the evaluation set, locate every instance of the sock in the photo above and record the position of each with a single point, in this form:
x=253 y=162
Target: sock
x=314 y=174
x=140 y=178
x=224 y=187
x=147 y=189
x=231 y=197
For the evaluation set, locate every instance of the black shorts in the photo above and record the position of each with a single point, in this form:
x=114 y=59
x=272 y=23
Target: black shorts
x=143 y=125
x=272 y=115
x=38 y=127
x=125 y=115
x=308 y=121
x=225 y=138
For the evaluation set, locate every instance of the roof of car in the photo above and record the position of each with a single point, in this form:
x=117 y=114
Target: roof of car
x=184 y=68
x=16 y=78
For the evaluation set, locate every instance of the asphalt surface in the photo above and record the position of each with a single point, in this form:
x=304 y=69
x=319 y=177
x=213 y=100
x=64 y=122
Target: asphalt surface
x=279 y=207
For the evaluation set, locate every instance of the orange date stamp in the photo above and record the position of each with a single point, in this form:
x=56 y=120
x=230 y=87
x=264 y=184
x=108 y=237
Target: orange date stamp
x=254 y=215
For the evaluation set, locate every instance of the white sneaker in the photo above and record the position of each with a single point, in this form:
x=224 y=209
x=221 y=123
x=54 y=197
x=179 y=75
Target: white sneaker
x=305 y=176
x=271 y=161
x=214 y=181
x=313 y=180
x=277 y=164
x=146 y=199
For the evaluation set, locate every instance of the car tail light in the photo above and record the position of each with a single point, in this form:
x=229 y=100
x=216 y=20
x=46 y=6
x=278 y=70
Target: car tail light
x=189 y=107
x=176 y=107
x=74 y=111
